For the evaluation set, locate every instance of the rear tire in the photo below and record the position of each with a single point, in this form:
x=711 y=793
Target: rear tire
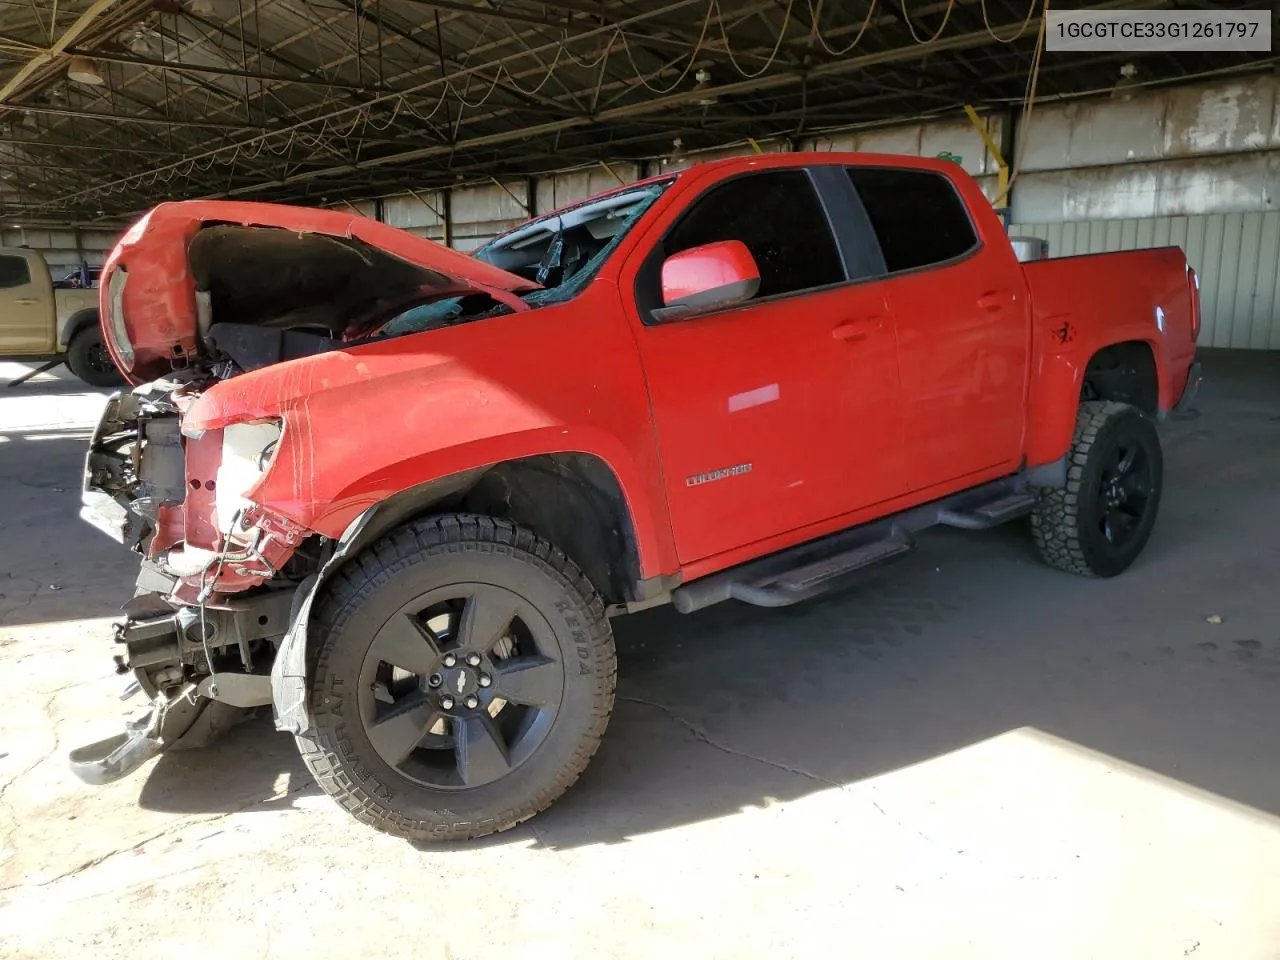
x=89 y=359
x=482 y=614
x=1099 y=522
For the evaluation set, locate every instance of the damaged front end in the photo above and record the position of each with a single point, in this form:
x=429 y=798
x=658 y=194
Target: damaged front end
x=218 y=576
x=240 y=316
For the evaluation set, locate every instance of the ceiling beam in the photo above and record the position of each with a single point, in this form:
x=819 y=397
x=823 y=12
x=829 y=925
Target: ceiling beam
x=658 y=104
x=58 y=145
x=82 y=23
x=130 y=118
x=217 y=71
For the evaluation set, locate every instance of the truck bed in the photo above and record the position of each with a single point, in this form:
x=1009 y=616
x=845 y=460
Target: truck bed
x=1150 y=294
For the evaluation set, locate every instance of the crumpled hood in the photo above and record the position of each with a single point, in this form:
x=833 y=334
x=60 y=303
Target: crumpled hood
x=186 y=265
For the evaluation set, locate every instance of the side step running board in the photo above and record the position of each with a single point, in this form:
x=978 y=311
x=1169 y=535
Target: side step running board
x=801 y=583
x=809 y=569
x=990 y=514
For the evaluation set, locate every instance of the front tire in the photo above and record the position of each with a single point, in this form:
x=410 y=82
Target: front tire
x=463 y=678
x=89 y=359
x=1099 y=522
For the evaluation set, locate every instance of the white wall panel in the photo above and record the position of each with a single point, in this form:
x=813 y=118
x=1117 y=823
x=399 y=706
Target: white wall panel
x=559 y=189
x=950 y=137
x=59 y=246
x=1232 y=116
x=1237 y=256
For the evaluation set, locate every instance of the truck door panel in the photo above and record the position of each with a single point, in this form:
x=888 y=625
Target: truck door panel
x=26 y=304
x=960 y=310
x=781 y=412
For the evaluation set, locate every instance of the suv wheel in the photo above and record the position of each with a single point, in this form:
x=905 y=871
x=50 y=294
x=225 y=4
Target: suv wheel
x=1099 y=522
x=463 y=678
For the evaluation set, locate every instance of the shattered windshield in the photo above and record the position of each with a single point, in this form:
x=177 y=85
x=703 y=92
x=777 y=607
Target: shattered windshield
x=562 y=251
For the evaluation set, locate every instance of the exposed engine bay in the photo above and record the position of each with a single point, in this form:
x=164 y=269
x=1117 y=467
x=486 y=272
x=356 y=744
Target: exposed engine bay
x=266 y=295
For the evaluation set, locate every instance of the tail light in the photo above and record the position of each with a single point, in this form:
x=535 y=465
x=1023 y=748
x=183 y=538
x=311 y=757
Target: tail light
x=1195 y=304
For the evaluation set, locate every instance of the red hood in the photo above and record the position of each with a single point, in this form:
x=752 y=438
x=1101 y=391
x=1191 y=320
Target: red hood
x=269 y=264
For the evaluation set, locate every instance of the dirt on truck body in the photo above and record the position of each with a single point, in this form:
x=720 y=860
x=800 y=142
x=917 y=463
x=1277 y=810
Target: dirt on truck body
x=396 y=492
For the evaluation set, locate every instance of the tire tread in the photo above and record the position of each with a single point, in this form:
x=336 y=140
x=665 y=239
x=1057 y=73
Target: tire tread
x=1055 y=523
x=393 y=554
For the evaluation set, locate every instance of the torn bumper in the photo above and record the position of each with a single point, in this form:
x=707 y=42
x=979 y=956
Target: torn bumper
x=109 y=512
x=134 y=466
x=144 y=736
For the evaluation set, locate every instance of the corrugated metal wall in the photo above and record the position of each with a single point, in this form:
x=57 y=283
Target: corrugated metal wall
x=1237 y=256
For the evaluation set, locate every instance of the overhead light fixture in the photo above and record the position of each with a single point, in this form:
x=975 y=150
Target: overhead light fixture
x=703 y=87
x=202 y=7
x=84 y=70
x=677 y=151
x=138 y=43
x=1127 y=84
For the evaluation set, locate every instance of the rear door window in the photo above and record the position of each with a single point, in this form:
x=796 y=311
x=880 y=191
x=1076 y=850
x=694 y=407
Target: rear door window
x=918 y=216
x=14 y=272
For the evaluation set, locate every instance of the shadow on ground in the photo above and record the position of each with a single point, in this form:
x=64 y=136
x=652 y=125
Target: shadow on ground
x=967 y=638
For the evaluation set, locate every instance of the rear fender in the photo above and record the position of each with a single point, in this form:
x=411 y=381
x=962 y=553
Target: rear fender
x=87 y=317
x=1084 y=304
x=1056 y=387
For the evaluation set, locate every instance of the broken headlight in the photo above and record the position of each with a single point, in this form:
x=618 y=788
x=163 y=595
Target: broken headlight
x=247 y=449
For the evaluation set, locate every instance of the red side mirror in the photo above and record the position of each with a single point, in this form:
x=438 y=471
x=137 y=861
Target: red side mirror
x=707 y=278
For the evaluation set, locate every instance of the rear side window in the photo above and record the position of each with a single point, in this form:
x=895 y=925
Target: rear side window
x=918 y=217
x=779 y=218
x=13 y=272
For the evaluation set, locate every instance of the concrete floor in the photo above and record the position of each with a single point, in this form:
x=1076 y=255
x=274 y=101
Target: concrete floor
x=970 y=755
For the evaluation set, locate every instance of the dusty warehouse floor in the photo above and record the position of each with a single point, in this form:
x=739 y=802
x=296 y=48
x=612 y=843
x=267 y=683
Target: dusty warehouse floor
x=968 y=756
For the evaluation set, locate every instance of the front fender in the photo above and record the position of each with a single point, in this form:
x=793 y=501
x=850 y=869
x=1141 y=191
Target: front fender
x=289 y=680
x=364 y=424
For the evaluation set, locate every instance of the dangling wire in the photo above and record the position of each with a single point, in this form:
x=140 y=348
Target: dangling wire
x=483 y=100
x=550 y=71
x=906 y=18
x=782 y=34
x=693 y=57
x=584 y=64
x=1031 y=9
x=815 y=33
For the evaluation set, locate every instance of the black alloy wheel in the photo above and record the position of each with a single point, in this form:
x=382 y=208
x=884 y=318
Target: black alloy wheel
x=1124 y=494
x=461 y=675
x=461 y=685
x=99 y=360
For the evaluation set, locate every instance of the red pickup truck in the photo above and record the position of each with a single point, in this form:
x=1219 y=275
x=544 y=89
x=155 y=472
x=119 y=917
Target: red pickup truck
x=398 y=492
